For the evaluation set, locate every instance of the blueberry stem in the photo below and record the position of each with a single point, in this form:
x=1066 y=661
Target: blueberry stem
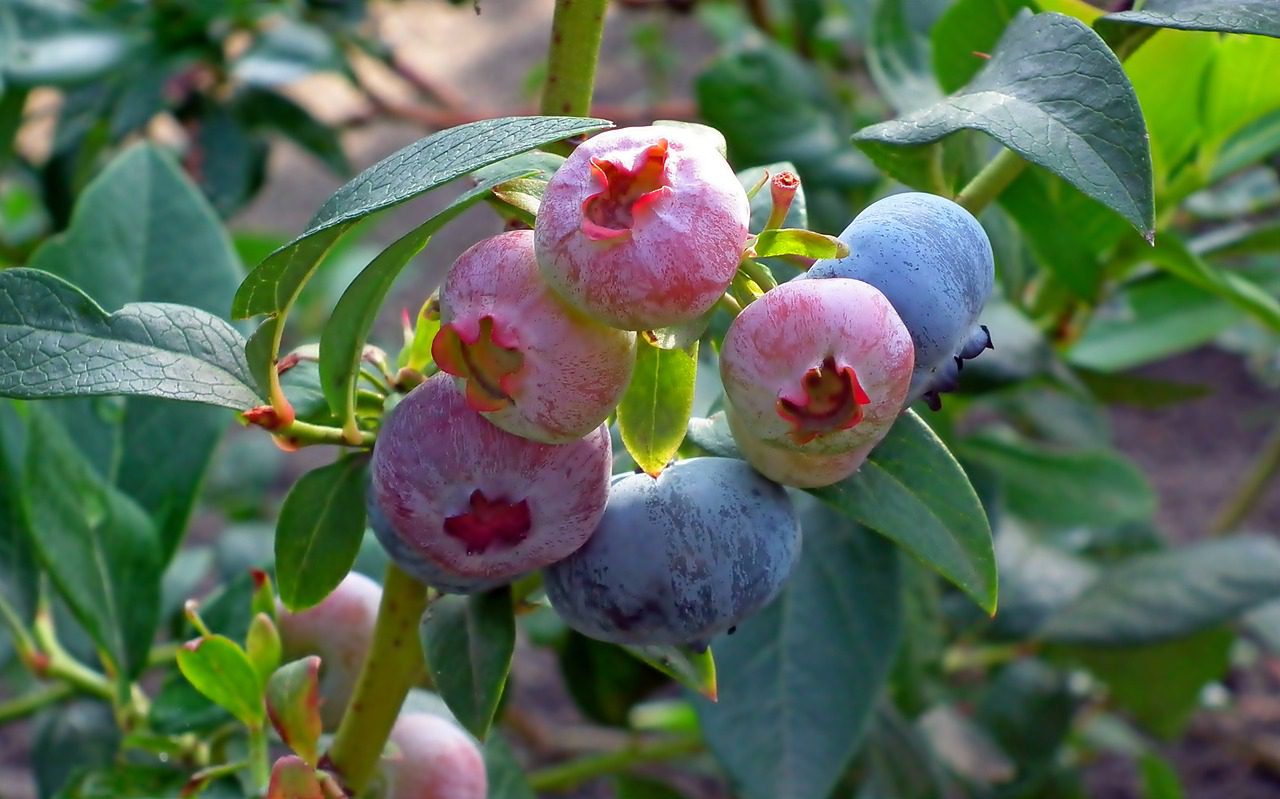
x=1253 y=487
x=576 y=31
x=564 y=776
x=994 y=178
x=23 y=706
x=393 y=666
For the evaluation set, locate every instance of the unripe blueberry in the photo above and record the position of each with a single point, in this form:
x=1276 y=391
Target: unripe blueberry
x=411 y=560
x=817 y=366
x=432 y=759
x=476 y=501
x=933 y=261
x=339 y=630
x=790 y=467
x=529 y=362
x=642 y=228
x=680 y=558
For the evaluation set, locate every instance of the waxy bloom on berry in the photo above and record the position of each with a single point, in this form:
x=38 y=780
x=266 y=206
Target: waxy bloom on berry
x=819 y=366
x=477 y=501
x=792 y=467
x=529 y=362
x=642 y=228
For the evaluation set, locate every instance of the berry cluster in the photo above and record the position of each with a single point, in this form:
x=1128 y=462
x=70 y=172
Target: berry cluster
x=500 y=465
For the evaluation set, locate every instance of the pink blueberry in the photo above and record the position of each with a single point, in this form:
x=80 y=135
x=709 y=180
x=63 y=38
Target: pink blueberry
x=642 y=228
x=431 y=758
x=339 y=630
x=792 y=468
x=818 y=366
x=529 y=362
x=477 y=501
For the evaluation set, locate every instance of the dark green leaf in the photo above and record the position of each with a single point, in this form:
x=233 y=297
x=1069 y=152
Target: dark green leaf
x=19 y=575
x=57 y=342
x=99 y=547
x=785 y=725
x=604 y=680
x=414 y=170
x=898 y=760
x=287 y=52
x=506 y=778
x=60 y=44
x=343 y=339
x=319 y=531
x=1228 y=16
x=632 y=787
x=898 y=56
x=266 y=109
x=1055 y=94
x=230 y=160
x=1064 y=488
x=787 y=241
x=969 y=29
x=87 y=728
x=1036 y=579
x=1185 y=665
x=654 y=411
x=1167 y=595
x=220 y=670
x=293 y=705
x=468 y=643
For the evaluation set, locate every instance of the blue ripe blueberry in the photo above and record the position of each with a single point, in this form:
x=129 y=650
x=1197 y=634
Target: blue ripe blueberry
x=933 y=261
x=680 y=558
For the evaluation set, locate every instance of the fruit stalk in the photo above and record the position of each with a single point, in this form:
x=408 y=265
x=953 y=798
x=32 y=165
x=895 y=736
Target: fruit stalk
x=994 y=178
x=392 y=667
x=576 y=31
x=568 y=775
x=1252 y=489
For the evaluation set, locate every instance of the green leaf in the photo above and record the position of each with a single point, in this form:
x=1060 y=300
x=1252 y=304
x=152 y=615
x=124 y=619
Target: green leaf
x=1159 y=779
x=468 y=643
x=343 y=339
x=287 y=52
x=220 y=669
x=694 y=670
x=911 y=490
x=1233 y=96
x=631 y=787
x=85 y=727
x=293 y=705
x=19 y=572
x=1171 y=98
x=1173 y=256
x=785 y=725
x=291 y=778
x=416 y=353
x=505 y=776
x=1167 y=595
x=427 y=164
x=57 y=342
x=968 y=29
x=654 y=411
x=1075 y=114
x=262 y=645
x=59 y=44
x=1185 y=666
x=604 y=680
x=319 y=531
x=1228 y=16
x=264 y=108
x=1064 y=488
x=142 y=232
x=788 y=241
x=99 y=548
x=898 y=53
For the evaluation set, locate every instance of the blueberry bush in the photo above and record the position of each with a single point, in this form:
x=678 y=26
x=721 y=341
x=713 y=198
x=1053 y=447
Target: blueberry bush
x=780 y=432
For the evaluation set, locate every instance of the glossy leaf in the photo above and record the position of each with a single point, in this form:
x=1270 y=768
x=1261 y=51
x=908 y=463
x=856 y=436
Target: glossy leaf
x=57 y=342
x=468 y=643
x=787 y=241
x=654 y=411
x=220 y=669
x=343 y=339
x=319 y=531
x=1054 y=93
x=1228 y=16
x=694 y=670
x=1064 y=488
x=293 y=705
x=431 y=162
x=911 y=490
x=783 y=725
x=96 y=544
x=1167 y=595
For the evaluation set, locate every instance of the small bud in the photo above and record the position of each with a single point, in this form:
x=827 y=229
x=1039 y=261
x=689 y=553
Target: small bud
x=782 y=190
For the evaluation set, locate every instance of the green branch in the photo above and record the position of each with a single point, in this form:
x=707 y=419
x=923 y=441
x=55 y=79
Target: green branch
x=22 y=706
x=576 y=32
x=994 y=178
x=565 y=776
x=1252 y=489
x=394 y=664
